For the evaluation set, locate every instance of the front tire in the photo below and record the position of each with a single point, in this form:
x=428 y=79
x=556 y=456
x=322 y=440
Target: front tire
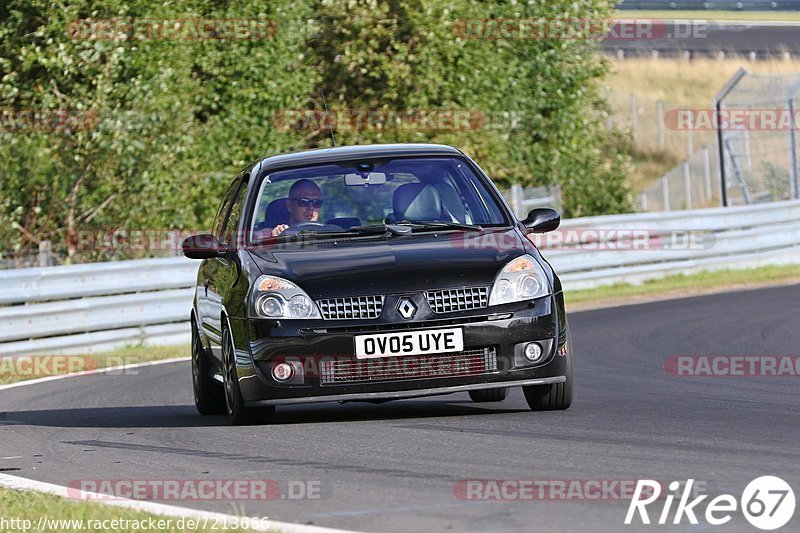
x=489 y=395
x=552 y=397
x=238 y=414
x=208 y=395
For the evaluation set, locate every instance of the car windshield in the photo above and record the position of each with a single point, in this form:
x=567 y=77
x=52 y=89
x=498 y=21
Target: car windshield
x=373 y=196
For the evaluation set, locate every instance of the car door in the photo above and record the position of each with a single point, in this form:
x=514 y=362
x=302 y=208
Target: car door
x=216 y=272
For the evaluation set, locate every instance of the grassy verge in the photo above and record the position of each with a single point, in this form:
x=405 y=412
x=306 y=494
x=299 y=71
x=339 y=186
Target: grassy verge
x=702 y=14
x=12 y=369
x=684 y=285
x=679 y=81
x=32 y=506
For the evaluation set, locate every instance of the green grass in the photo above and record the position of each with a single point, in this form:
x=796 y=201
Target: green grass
x=686 y=285
x=702 y=14
x=28 y=505
x=11 y=370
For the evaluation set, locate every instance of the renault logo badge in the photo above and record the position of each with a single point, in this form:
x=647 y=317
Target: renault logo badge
x=406 y=308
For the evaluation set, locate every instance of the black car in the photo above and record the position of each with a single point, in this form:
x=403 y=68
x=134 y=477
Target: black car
x=372 y=273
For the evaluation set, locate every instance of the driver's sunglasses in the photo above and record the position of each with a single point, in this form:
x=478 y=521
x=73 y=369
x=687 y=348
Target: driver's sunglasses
x=305 y=202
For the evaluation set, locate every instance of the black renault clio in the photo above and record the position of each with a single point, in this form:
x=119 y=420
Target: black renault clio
x=372 y=273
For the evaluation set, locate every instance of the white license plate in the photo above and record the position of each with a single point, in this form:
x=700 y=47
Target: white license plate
x=444 y=340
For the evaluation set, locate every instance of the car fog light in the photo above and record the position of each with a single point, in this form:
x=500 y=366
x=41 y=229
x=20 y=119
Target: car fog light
x=533 y=352
x=282 y=372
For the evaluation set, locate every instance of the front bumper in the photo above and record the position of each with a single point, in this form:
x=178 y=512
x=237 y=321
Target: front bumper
x=312 y=345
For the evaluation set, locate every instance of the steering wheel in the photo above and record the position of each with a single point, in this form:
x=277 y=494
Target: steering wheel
x=297 y=228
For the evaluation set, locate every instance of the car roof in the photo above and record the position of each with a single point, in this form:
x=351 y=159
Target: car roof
x=346 y=153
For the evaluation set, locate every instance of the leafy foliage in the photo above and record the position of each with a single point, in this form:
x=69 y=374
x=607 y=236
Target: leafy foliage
x=170 y=122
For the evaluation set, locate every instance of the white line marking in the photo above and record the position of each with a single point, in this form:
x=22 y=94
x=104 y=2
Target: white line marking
x=12 y=457
x=27 y=382
x=20 y=483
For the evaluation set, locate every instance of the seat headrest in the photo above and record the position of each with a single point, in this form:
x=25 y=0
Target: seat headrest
x=417 y=201
x=276 y=213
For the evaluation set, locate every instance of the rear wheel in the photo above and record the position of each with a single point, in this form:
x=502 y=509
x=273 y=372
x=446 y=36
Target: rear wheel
x=489 y=395
x=208 y=395
x=238 y=414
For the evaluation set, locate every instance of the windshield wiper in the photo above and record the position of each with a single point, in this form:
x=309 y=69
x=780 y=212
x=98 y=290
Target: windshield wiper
x=435 y=224
x=385 y=230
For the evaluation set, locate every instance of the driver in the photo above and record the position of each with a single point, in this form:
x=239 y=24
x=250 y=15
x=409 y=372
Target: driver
x=303 y=204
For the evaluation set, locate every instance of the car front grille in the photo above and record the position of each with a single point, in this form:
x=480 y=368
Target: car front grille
x=351 y=308
x=471 y=362
x=451 y=300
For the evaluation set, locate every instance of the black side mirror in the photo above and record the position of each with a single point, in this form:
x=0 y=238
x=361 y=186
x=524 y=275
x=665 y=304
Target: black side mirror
x=542 y=220
x=203 y=246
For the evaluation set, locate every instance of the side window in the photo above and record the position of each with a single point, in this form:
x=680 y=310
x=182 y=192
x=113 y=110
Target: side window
x=224 y=208
x=232 y=224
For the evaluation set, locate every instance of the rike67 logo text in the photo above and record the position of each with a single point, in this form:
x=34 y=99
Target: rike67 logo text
x=767 y=503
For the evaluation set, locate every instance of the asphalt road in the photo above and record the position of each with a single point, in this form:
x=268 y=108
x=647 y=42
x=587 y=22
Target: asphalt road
x=393 y=467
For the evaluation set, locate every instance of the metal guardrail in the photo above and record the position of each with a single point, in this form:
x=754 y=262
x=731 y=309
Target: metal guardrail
x=101 y=306
x=95 y=307
x=523 y=199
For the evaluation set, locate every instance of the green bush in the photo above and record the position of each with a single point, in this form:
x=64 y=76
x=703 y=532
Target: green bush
x=174 y=120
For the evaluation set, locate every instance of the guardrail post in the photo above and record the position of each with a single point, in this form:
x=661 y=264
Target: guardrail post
x=45 y=253
x=643 y=200
x=665 y=192
x=793 y=186
x=687 y=185
x=707 y=172
x=516 y=200
x=175 y=242
x=557 y=200
x=689 y=145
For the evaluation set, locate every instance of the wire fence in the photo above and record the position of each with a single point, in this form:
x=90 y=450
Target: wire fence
x=750 y=150
x=650 y=129
x=691 y=185
x=760 y=142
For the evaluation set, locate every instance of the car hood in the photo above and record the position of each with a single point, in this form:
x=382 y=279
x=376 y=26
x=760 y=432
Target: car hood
x=400 y=264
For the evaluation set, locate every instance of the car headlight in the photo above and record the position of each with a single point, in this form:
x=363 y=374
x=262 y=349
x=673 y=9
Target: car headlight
x=521 y=279
x=274 y=297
